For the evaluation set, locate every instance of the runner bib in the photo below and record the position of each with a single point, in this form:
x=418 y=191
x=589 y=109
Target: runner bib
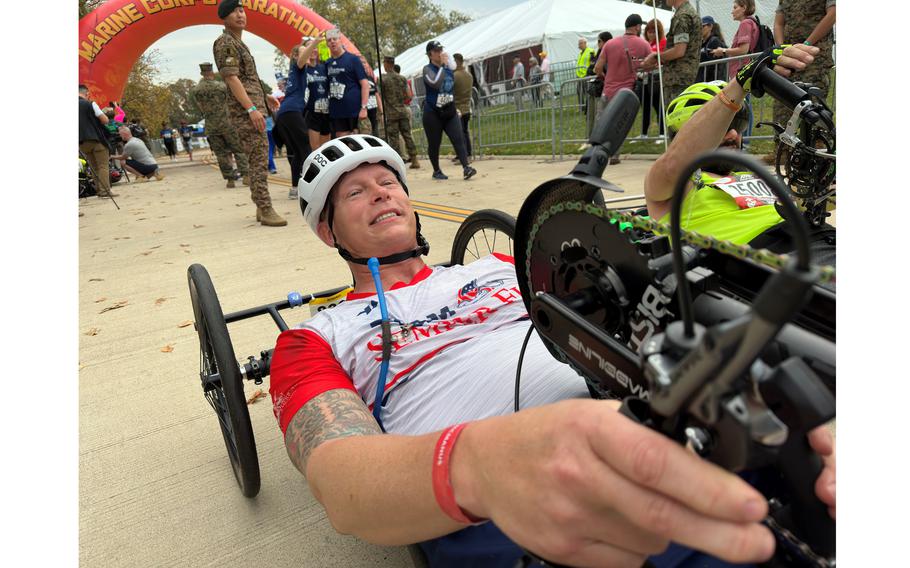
x=746 y=190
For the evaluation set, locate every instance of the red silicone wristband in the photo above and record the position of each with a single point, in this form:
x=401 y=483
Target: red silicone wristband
x=442 y=483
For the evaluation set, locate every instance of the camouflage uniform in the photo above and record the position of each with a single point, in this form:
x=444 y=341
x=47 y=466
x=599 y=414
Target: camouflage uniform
x=211 y=98
x=234 y=58
x=685 y=27
x=394 y=92
x=800 y=18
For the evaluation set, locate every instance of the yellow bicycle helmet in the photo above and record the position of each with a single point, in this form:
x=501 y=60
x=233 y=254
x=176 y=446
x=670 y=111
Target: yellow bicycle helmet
x=681 y=109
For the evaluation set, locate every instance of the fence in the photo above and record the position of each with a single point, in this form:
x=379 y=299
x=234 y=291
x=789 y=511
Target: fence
x=553 y=116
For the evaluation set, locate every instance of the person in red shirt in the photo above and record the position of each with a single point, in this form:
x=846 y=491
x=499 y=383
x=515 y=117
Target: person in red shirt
x=619 y=62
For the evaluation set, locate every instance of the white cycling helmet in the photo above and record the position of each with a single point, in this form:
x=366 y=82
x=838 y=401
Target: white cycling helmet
x=324 y=167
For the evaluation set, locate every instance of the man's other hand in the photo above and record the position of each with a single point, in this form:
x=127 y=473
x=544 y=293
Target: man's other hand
x=272 y=103
x=794 y=58
x=258 y=120
x=822 y=442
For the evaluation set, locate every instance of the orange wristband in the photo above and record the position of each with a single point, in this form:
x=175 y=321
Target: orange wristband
x=728 y=102
x=442 y=483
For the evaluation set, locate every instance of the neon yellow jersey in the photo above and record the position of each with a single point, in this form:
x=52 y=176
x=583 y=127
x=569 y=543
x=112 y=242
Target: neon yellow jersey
x=710 y=211
x=584 y=60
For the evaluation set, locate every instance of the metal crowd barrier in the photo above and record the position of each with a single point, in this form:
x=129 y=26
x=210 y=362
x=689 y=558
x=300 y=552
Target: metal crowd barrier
x=556 y=115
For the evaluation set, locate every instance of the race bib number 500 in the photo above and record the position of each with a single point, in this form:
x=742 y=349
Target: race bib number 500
x=746 y=190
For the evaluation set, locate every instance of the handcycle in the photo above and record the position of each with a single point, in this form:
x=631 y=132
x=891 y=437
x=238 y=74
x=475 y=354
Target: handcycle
x=741 y=372
x=223 y=376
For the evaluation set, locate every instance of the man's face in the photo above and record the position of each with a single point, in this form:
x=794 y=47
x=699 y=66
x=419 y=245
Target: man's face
x=582 y=43
x=733 y=140
x=334 y=43
x=236 y=20
x=125 y=134
x=373 y=215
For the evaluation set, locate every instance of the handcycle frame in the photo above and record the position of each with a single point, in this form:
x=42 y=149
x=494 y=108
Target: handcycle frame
x=222 y=375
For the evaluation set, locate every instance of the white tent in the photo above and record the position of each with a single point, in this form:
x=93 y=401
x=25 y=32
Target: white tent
x=555 y=25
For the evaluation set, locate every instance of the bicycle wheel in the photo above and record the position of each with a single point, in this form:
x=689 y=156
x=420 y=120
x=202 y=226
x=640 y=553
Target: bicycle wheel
x=482 y=233
x=222 y=382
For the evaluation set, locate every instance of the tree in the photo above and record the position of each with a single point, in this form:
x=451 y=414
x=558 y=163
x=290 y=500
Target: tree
x=143 y=97
x=182 y=105
x=86 y=6
x=401 y=23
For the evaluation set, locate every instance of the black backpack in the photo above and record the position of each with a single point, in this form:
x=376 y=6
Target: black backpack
x=765 y=36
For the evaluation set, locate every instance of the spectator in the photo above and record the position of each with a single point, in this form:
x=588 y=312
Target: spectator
x=439 y=113
x=680 y=59
x=211 y=99
x=317 y=108
x=93 y=142
x=464 y=85
x=139 y=130
x=138 y=159
x=650 y=91
x=349 y=89
x=238 y=69
x=545 y=66
x=595 y=85
x=119 y=113
x=711 y=39
x=374 y=99
x=291 y=127
x=619 y=62
x=170 y=145
x=585 y=55
x=534 y=78
x=518 y=80
x=186 y=133
x=746 y=37
x=809 y=22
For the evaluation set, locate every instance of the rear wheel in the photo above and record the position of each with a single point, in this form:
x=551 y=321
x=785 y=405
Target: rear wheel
x=482 y=233
x=222 y=382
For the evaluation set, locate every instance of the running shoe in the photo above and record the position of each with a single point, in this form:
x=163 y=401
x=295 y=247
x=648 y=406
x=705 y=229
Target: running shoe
x=439 y=175
x=469 y=172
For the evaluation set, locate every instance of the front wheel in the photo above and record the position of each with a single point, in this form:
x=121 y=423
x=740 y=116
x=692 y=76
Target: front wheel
x=222 y=382
x=483 y=233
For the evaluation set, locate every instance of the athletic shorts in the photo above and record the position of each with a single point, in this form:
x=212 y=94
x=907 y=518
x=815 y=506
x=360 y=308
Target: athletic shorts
x=348 y=124
x=319 y=122
x=144 y=169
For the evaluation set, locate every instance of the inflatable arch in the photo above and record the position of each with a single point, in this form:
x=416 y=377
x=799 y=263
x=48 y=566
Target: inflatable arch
x=115 y=34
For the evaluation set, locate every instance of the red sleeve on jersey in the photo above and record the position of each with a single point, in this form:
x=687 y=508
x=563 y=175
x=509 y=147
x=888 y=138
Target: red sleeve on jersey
x=303 y=367
x=504 y=257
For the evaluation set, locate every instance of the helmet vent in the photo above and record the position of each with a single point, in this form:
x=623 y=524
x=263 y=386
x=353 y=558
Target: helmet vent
x=372 y=141
x=331 y=153
x=311 y=173
x=351 y=143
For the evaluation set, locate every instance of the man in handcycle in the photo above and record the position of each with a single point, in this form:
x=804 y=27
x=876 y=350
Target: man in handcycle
x=568 y=478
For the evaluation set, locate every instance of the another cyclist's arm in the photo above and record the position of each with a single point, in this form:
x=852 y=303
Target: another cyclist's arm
x=704 y=132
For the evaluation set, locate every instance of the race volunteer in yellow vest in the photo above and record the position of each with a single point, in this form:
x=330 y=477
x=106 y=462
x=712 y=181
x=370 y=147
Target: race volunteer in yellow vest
x=584 y=57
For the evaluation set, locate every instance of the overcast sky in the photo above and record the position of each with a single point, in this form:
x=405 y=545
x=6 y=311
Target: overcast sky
x=183 y=50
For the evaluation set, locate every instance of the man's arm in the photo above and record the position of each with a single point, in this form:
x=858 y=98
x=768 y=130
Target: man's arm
x=779 y=28
x=236 y=88
x=666 y=55
x=823 y=28
x=615 y=491
x=601 y=61
x=364 y=97
x=704 y=132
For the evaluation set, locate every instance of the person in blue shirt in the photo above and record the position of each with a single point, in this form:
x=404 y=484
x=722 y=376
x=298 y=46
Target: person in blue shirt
x=317 y=107
x=349 y=89
x=290 y=126
x=439 y=113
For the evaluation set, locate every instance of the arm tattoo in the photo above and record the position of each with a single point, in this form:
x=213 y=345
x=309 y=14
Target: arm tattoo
x=333 y=414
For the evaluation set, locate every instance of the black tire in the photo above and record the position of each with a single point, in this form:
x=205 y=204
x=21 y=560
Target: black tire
x=481 y=234
x=216 y=357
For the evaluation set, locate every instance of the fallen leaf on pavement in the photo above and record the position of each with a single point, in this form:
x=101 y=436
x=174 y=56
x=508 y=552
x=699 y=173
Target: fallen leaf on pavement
x=198 y=226
x=160 y=301
x=93 y=331
x=185 y=323
x=257 y=394
x=115 y=306
x=101 y=299
x=96 y=279
x=183 y=245
x=155 y=247
x=167 y=348
x=146 y=253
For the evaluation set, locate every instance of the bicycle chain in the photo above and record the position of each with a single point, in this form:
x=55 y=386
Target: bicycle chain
x=796 y=545
x=761 y=256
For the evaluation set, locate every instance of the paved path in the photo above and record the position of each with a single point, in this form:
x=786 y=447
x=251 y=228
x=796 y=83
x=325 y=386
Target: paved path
x=156 y=487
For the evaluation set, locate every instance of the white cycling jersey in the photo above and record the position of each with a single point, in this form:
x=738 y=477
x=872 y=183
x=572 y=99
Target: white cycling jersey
x=456 y=337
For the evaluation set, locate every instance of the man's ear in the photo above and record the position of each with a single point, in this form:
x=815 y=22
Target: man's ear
x=325 y=233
